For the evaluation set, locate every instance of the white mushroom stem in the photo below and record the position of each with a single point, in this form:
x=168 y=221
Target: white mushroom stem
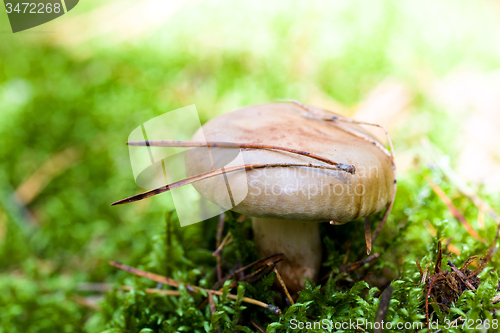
x=300 y=243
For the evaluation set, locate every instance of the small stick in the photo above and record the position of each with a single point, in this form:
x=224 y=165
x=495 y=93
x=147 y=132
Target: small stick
x=355 y=265
x=227 y=240
x=470 y=261
x=454 y=211
x=424 y=276
x=218 y=269
x=283 y=285
x=380 y=226
x=220 y=230
x=156 y=291
x=274 y=309
x=148 y=275
x=259 y=328
x=453 y=284
x=252 y=277
x=461 y=276
x=454 y=323
x=202 y=304
x=427 y=299
x=212 y=303
x=174 y=283
x=166 y=143
x=419 y=267
x=259 y=265
x=168 y=230
x=241 y=219
x=91 y=304
x=186 y=181
x=212 y=306
x=265 y=262
x=437 y=267
x=368 y=237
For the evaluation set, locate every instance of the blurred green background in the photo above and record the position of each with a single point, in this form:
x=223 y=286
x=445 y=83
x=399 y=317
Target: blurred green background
x=72 y=90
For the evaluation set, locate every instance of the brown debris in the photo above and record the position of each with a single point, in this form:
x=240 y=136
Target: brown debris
x=261 y=267
x=355 y=265
x=445 y=287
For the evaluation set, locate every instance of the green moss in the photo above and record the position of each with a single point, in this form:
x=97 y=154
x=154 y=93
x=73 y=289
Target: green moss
x=89 y=97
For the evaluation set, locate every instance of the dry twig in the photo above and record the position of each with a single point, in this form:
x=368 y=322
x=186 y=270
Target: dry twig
x=174 y=283
x=355 y=265
x=165 y=143
x=368 y=237
x=283 y=285
x=227 y=240
x=461 y=275
x=260 y=266
x=257 y=326
x=220 y=230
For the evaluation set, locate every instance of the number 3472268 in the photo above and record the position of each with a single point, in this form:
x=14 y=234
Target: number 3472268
x=472 y=324
x=33 y=8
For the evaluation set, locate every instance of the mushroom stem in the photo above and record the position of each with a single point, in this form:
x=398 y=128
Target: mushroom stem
x=300 y=243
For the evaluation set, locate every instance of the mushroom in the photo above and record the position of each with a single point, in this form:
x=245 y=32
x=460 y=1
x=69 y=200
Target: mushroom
x=288 y=199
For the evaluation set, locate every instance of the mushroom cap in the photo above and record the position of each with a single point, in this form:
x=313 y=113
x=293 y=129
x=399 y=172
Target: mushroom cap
x=294 y=193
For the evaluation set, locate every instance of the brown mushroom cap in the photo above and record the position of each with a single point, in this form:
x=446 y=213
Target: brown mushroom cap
x=296 y=193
